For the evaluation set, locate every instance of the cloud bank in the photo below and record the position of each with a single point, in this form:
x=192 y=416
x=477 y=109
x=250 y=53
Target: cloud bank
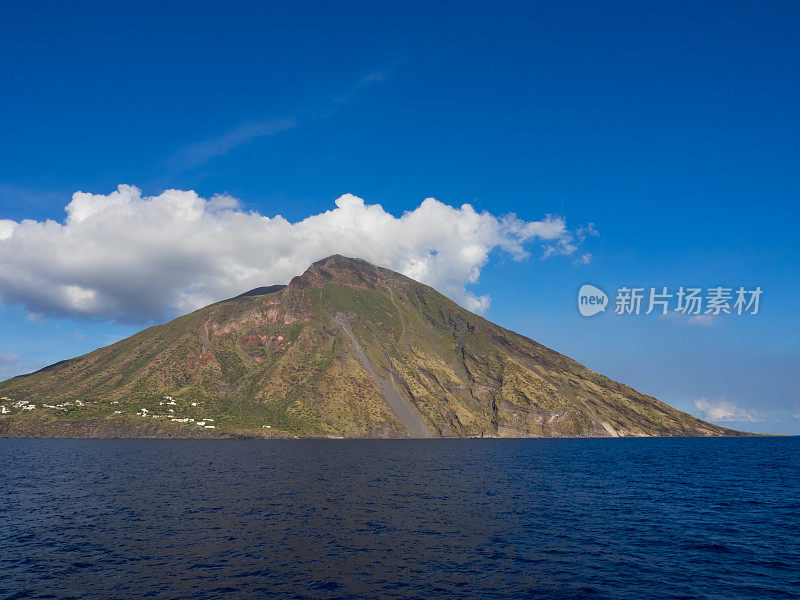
x=128 y=257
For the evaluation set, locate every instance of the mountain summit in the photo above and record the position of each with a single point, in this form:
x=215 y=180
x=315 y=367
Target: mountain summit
x=347 y=349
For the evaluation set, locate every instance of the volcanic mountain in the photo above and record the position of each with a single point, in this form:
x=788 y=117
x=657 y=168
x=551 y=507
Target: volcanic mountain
x=347 y=349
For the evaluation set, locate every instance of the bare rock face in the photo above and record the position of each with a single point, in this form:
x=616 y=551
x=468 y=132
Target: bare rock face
x=347 y=349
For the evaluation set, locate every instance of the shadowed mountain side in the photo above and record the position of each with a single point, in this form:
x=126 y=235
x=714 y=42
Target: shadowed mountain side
x=260 y=291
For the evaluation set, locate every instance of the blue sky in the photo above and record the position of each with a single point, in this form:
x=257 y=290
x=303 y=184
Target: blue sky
x=673 y=128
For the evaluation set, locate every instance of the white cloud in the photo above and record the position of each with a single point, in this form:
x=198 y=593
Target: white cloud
x=567 y=242
x=721 y=410
x=11 y=364
x=702 y=320
x=201 y=152
x=688 y=319
x=128 y=257
x=6 y=228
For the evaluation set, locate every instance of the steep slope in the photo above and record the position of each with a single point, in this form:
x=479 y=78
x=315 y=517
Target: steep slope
x=346 y=349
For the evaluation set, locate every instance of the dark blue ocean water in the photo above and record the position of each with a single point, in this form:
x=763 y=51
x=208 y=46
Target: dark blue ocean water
x=611 y=518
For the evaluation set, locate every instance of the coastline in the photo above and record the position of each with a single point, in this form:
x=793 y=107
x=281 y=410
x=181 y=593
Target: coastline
x=126 y=427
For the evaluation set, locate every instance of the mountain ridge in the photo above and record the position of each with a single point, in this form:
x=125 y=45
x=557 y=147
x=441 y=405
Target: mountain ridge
x=346 y=349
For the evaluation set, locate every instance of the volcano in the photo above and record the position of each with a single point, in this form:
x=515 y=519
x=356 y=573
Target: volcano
x=347 y=349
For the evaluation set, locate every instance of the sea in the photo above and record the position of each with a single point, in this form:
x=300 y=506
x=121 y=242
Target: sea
x=639 y=519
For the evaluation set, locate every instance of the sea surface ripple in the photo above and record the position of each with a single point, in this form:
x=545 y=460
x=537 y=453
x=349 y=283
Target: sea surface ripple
x=566 y=518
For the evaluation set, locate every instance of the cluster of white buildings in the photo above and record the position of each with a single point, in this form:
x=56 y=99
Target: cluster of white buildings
x=21 y=404
x=168 y=401
x=25 y=405
x=205 y=423
x=64 y=405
